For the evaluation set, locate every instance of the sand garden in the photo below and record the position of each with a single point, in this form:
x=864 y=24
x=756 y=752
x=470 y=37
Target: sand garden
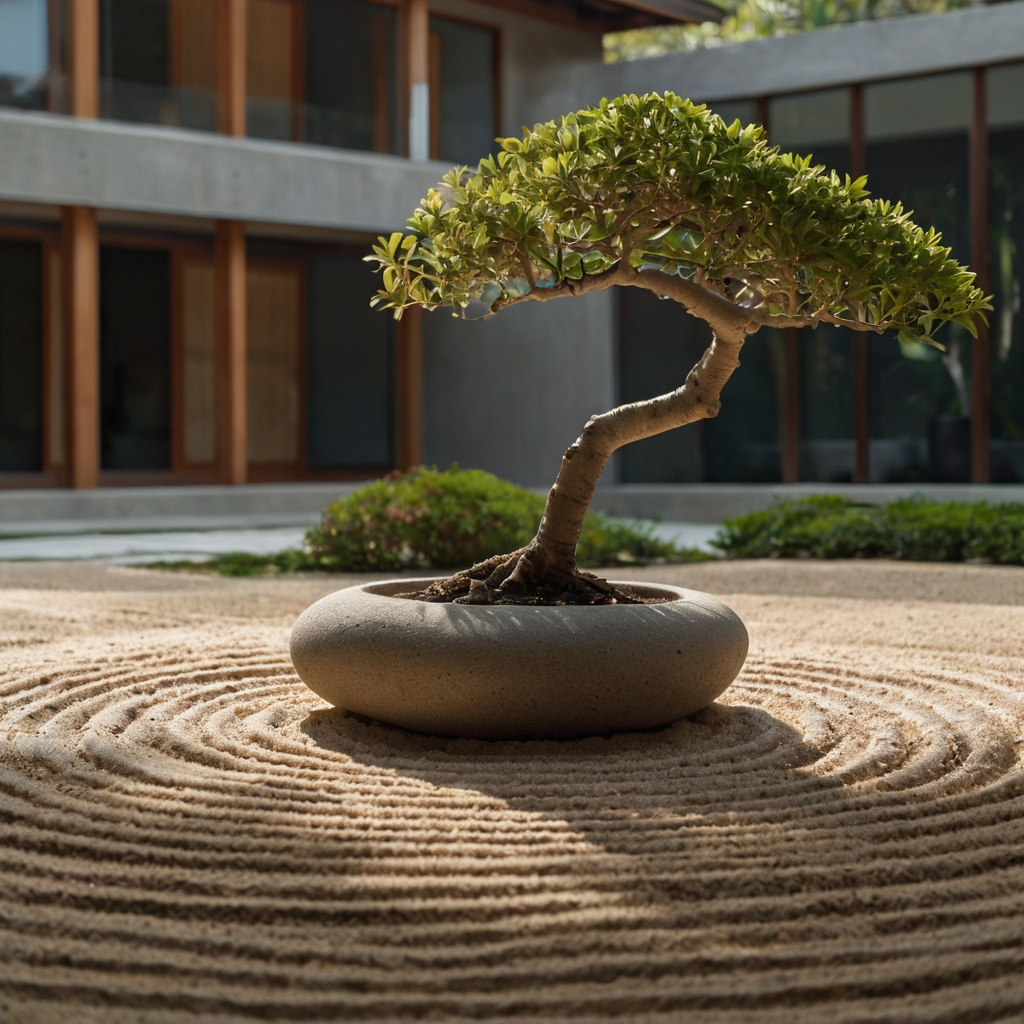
x=188 y=834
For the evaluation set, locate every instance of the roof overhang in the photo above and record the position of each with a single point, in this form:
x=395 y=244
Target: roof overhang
x=614 y=15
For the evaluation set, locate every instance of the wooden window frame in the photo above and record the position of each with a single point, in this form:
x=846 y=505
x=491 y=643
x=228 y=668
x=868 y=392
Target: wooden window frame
x=179 y=472
x=497 y=78
x=406 y=426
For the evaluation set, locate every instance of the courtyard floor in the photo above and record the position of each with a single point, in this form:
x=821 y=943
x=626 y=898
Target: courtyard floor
x=188 y=834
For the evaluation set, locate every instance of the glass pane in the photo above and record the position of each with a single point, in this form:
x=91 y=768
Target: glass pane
x=1006 y=207
x=24 y=53
x=815 y=123
x=55 y=367
x=743 y=439
x=1004 y=96
x=827 y=449
x=731 y=110
x=155 y=70
x=351 y=74
x=463 y=123
x=21 y=356
x=349 y=368
x=273 y=311
x=934 y=105
x=918 y=154
x=916 y=414
x=198 y=335
x=135 y=360
x=332 y=82
x=270 y=76
x=659 y=343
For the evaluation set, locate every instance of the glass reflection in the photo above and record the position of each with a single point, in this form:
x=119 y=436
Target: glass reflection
x=827 y=449
x=323 y=71
x=815 y=123
x=1005 y=95
x=157 y=62
x=463 y=121
x=919 y=399
x=31 y=54
x=659 y=342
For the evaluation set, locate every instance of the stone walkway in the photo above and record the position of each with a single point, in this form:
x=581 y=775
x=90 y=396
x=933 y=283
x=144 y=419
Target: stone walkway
x=126 y=546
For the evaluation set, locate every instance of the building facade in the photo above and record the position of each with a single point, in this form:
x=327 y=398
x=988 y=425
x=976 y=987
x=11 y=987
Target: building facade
x=188 y=187
x=187 y=192
x=932 y=110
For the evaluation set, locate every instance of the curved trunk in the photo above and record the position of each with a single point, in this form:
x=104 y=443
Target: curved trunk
x=553 y=550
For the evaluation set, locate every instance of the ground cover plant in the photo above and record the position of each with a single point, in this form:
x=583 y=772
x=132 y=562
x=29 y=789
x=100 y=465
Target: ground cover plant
x=657 y=193
x=440 y=519
x=915 y=530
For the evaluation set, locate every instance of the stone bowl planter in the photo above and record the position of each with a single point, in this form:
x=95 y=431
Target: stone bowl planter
x=515 y=672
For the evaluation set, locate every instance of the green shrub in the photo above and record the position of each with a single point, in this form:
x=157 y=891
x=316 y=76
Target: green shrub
x=915 y=530
x=448 y=519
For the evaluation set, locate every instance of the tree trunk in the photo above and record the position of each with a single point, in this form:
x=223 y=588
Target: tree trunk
x=550 y=558
x=554 y=547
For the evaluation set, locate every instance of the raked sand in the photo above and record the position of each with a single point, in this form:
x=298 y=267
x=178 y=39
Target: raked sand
x=187 y=834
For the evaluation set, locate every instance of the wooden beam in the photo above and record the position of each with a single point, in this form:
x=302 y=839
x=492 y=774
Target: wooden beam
x=981 y=366
x=230 y=257
x=232 y=25
x=859 y=342
x=231 y=350
x=791 y=412
x=84 y=39
x=80 y=266
x=409 y=389
x=416 y=49
x=761 y=112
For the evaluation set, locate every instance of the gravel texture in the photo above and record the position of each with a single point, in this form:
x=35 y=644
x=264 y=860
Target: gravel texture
x=188 y=834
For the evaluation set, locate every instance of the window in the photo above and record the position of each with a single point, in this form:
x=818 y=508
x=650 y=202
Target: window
x=135 y=358
x=350 y=368
x=818 y=123
x=659 y=342
x=463 y=116
x=1005 y=96
x=274 y=326
x=827 y=447
x=324 y=71
x=157 y=62
x=21 y=356
x=731 y=110
x=30 y=54
x=916 y=132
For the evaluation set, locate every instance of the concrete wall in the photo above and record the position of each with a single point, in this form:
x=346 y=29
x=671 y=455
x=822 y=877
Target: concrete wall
x=862 y=52
x=511 y=393
x=61 y=160
x=52 y=159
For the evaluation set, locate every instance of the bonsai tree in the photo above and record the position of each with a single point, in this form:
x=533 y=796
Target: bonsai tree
x=656 y=192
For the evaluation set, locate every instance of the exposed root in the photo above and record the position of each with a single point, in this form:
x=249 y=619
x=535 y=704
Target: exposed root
x=516 y=578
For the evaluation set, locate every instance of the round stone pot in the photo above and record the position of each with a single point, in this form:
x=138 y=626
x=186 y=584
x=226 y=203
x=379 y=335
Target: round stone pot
x=515 y=672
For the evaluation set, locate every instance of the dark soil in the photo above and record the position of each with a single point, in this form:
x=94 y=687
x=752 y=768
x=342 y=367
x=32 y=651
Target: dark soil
x=492 y=582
